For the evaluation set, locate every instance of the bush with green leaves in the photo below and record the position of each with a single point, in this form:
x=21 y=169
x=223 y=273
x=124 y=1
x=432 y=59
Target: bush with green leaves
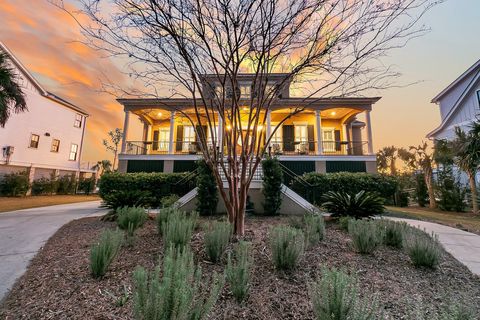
x=450 y=192
x=392 y=233
x=178 y=228
x=364 y=234
x=152 y=186
x=287 y=245
x=217 y=236
x=103 y=252
x=130 y=219
x=178 y=292
x=169 y=200
x=314 y=228
x=126 y=198
x=335 y=297
x=207 y=195
x=44 y=186
x=272 y=186
x=421 y=190
x=238 y=270
x=360 y=205
x=424 y=250
x=87 y=185
x=14 y=184
x=66 y=184
x=162 y=217
x=349 y=182
x=343 y=222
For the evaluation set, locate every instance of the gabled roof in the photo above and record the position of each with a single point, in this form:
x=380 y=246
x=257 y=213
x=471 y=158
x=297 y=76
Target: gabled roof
x=475 y=69
x=36 y=84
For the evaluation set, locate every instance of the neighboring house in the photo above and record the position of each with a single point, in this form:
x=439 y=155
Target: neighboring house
x=325 y=137
x=47 y=139
x=459 y=104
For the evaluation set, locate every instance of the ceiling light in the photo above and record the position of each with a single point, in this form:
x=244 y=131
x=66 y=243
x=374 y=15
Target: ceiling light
x=244 y=108
x=333 y=113
x=159 y=114
x=229 y=127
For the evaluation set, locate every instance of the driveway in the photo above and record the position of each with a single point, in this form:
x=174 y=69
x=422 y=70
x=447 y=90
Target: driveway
x=463 y=246
x=23 y=233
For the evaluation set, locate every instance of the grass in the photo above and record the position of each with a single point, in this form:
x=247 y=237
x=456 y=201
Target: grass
x=460 y=220
x=18 y=203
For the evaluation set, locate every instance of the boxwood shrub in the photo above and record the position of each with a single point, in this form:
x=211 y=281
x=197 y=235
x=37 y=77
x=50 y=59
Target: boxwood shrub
x=351 y=183
x=156 y=185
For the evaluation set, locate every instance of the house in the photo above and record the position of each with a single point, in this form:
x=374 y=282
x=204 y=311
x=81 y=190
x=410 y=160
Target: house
x=459 y=104
x=47 y=139
x=325 y=137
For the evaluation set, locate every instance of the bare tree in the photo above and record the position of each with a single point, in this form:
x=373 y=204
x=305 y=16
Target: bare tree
x=176 y=43
x=112 y=145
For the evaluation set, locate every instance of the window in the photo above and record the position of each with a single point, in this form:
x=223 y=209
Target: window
x=163 y=139
x=73 y=152
x=245 y=91
x=328 y=139
x=34 y=138
x=301 y=133
x=78 y=121
x=55 y=145
x=188 y=137
x=478 y=97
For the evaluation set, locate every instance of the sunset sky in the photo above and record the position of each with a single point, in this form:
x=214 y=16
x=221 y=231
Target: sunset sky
x=43 y=38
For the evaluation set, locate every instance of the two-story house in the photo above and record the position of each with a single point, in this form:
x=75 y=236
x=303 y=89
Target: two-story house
x=325 y=136
x=47 y=139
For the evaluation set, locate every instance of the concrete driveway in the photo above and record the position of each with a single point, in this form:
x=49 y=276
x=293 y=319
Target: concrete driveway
x=463 y=246
x=23 y=233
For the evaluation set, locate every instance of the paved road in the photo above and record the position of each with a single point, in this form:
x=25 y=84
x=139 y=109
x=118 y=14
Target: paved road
x=23 y=233
x=464 y=246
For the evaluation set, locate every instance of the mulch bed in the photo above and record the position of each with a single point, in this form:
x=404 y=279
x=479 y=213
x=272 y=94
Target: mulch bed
x=58 y=284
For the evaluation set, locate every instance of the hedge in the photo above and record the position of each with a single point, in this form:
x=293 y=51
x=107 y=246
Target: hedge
x=157 y=185
x=315 y=185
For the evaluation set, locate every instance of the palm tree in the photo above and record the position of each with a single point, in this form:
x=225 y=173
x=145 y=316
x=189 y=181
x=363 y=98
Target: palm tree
x=467 y=157
x=12 y=97
x=103 y=166
x=387 y=158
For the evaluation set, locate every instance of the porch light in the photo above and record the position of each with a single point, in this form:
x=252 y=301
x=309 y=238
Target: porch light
x=229 y=127
x=159 y=114
x=333 y=113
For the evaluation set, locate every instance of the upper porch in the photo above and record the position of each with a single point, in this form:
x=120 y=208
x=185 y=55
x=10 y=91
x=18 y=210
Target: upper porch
x=324 y=127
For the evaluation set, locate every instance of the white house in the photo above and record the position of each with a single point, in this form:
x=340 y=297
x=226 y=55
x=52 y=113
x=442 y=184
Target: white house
x=48 y=138
x=459 y=104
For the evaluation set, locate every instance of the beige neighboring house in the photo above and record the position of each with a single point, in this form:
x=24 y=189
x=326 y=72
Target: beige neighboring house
x=327 y=136
x=48 y=138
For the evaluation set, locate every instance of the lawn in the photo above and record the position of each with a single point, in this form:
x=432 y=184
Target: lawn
x=17 y=203
x=58 y=283
x=461 y=220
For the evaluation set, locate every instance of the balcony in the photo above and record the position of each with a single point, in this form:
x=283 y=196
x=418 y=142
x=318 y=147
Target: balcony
x=279 y=148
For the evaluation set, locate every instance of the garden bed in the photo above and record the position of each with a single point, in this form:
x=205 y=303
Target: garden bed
x=58 y=284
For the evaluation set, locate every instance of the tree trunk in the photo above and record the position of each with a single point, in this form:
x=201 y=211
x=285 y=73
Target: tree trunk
x=431 y=193
x=473 y=192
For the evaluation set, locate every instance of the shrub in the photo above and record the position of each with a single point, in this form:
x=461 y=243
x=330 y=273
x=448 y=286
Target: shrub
x=217 y=236
x=130 y=219
x=207 y=197
x=44 y=186
x=103 y=252
x=87 y=185
x=360 y=205
x=385 y=186
x=177 y=292
x=343 y=223
x=457 y=312
x=126 y=198
x=424 y=250
x=178 y=228
x=287 y=245
x=153 y=185
x=314 y=228
x=66 y=184
x=14 y=184
x=392 y=233
x=364 y=235
x=450 y=192
x=238 y=271
x=272 y=186
x=421 y=191
x=335 y=296
x=162 y=217
x=296 y=221
x=169 y=200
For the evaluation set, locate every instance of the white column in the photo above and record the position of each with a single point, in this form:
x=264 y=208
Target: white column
x=369 y=131
x=125 y=131
x=172 y=128
x=220 y=133
x=318 y=124
x=268 y=131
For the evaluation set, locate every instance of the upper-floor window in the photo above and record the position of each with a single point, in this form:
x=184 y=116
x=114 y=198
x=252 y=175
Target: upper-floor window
x=73 y=152
x=478 y=97
x=78 y=121
x=34 y=138
x=55 y=145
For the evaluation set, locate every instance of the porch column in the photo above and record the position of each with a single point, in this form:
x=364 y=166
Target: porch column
x=172 y=128
x=220 y=133
x=318 y=125
x=369 y=131
x=269 y=124
x=125 y=131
